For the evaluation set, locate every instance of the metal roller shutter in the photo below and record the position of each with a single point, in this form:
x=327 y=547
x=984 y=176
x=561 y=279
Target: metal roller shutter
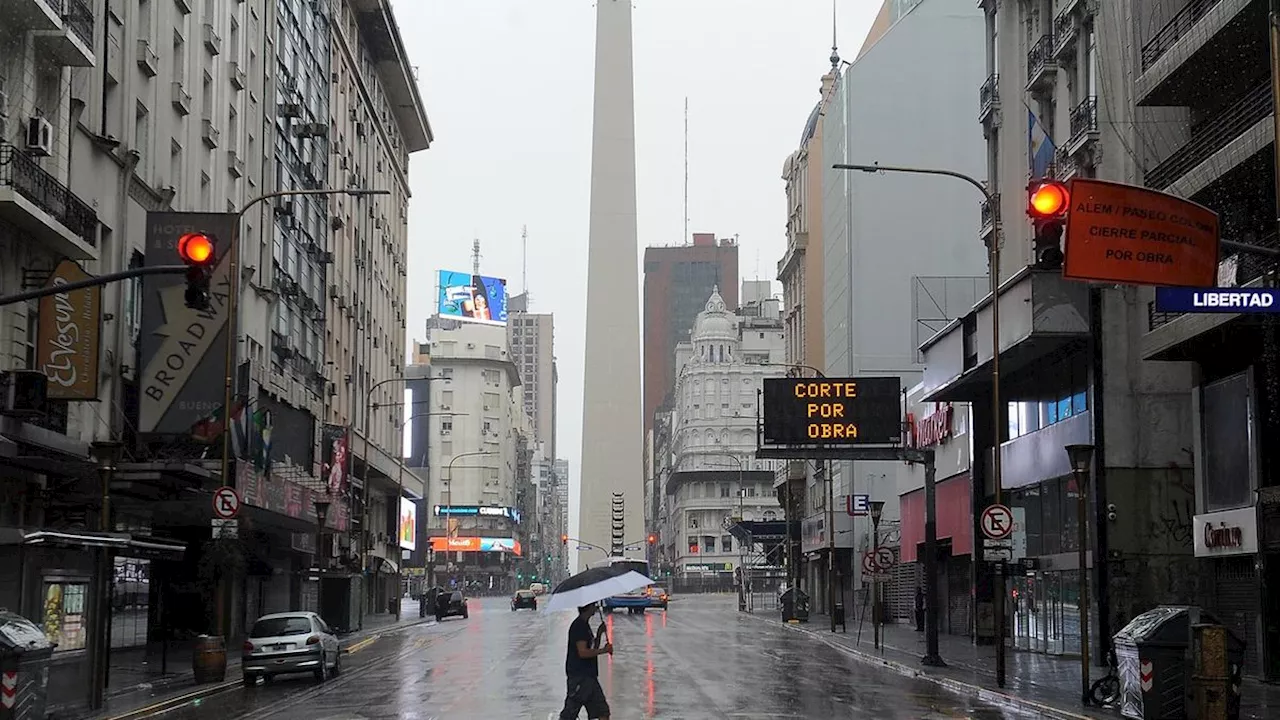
x=1236 y=604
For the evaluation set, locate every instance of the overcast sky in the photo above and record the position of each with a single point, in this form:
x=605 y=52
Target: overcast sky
x=508 y=89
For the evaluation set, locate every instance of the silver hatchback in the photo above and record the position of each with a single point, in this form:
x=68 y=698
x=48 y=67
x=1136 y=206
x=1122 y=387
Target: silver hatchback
x=294 y=642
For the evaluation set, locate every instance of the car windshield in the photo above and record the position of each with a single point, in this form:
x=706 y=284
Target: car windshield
x=277 y=626
x=457 y=596
x=524 y=593
x=659 y=591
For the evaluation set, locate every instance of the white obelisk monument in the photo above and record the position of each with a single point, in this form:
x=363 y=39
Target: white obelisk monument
x=612 y=442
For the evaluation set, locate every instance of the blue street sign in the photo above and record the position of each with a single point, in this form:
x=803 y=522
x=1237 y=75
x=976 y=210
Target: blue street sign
x=857 y=505
x=1217 y=300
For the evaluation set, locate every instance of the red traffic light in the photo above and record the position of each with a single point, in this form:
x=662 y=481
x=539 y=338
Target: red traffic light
x=196 y=249
x=1048 y=199
x=653 y=539
x=564 y=539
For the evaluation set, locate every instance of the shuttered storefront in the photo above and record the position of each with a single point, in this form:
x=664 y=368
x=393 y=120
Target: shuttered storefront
x=1237 y=604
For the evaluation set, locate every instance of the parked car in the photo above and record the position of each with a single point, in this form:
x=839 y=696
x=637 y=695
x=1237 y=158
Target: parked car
x=524 y=599
x=286 y=643
x=449 y=604
x=658 y=597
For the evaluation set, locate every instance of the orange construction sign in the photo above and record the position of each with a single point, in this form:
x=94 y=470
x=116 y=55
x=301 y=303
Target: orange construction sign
x=1119 y=233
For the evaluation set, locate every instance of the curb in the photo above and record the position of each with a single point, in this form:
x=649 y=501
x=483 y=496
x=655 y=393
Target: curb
x=175 y=702
x=956 y=686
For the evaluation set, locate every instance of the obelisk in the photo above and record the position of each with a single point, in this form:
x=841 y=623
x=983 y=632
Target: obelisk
x=612 y=442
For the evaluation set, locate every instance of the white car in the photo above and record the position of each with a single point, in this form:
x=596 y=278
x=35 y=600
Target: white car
x=292 y=642
x=537 y=588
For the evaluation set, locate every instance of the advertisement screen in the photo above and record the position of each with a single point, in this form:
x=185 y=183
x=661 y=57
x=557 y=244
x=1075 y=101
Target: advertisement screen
x=509 y=513
x=475 y=298
x=408 y=525
x=476 y=544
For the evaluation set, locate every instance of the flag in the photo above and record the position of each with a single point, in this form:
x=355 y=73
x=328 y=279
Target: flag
x=211 y=427
x=1040 y=147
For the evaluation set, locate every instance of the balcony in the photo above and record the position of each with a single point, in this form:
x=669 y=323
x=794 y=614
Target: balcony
x=1065 y=33
x=69 y=41
x=1084 y=126
x=212 y=40
x=239 y=79
x=209 y=133
x=988 y=225
x=235 y=164
x=180 y=98
x=148 y=60
x=1175 y=30
x=184 y=6
x=989 y=98
x=33 y=199
x=1065 y=165
x=1182 y=63
x=1214 y=135
x=1041 y=66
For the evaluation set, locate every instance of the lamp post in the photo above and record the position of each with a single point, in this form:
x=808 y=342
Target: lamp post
x=877 y=511
x=106 y=455
x=322 y=515
x=993 y=262
x=400 y=494
x=1081 y=463
x=447 y=485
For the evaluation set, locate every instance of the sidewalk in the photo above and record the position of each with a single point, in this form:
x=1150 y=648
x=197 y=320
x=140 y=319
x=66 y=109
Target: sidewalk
x=1047 y=684
x=141 y=677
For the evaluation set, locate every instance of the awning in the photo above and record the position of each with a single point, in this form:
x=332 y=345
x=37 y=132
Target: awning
x=140 y=546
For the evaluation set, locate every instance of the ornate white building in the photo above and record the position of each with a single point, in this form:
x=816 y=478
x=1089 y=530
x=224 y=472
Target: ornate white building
x=714 y=476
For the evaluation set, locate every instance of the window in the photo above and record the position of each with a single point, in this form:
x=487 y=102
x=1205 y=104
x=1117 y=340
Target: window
x=1225 y=434
x=446 y=426
x=726 y=543
x=65 y=620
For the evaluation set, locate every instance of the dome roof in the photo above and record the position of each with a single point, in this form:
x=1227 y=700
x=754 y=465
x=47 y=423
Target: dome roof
x=715 y=322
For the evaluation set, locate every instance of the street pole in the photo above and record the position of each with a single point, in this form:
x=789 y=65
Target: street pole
x=365 y=534
x=97 y=281
x=448 y=504
x=877 y=511
x=997 y=414
x=400 y=489
x=1081 y=457
x=932 y=658
x=831 y=547
x=107 y=455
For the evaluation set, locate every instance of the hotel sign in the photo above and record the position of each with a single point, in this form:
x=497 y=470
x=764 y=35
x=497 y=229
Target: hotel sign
x=1230 y=532
x=833 y=411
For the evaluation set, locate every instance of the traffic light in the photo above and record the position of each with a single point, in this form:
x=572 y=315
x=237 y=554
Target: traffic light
x=199 y=252
x=1047 y=205
x=564 y=539
x=653 y=539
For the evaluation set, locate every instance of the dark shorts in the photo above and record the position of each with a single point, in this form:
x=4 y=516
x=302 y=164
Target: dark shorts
x=585 y=692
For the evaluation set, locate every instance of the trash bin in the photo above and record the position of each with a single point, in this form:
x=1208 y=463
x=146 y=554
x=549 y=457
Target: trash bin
x=24 y=668
x=838 y=615
x=1154 y=662
x=795 y=605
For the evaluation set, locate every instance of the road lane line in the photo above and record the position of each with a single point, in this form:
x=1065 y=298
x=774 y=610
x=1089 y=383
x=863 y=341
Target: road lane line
x=174 y=703
x=357 y=647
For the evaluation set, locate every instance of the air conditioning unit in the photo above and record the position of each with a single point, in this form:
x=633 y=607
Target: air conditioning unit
x=39 y=137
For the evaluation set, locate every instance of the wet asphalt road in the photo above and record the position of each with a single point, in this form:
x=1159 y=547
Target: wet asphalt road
x=699 y=660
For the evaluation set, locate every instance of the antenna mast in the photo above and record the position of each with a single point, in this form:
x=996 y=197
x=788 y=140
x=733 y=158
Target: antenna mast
x=685 y=239
x=475 y=256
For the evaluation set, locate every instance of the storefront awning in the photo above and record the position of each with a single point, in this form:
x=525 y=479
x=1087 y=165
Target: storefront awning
x=132 y=545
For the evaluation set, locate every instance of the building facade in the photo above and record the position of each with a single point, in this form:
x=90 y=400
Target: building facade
x=878 y=309
x=531 y=337
x=713 y=475
x=476 y=439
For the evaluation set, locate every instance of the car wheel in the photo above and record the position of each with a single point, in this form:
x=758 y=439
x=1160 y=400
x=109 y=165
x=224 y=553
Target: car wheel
x=337 y=664
x=513 y=608
x=322 y=672
x=439 y=617
x=250 y=680
x=464 y=614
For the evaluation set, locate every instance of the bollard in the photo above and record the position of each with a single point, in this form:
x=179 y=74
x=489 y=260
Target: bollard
x=1209 y=678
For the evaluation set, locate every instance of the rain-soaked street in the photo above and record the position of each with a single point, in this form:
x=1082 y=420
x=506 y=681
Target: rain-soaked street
x=701 y=659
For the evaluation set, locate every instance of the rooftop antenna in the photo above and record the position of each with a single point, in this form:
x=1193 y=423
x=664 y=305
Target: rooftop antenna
x=475 y=256
x=686 y=170
x=524 y=260
x=835 y=54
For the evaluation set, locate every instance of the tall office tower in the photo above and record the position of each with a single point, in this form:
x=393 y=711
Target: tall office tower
x=678 y=279
x=531 y=339
x=611 y=427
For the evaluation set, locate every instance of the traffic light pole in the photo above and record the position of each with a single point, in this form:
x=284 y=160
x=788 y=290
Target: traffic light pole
x=993 y=254
x=92 y=282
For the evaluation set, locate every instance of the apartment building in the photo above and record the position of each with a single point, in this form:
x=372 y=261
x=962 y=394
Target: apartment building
x=531 y=338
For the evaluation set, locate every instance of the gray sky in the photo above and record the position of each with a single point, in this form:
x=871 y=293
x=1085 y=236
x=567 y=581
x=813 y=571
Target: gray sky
x=508 y=89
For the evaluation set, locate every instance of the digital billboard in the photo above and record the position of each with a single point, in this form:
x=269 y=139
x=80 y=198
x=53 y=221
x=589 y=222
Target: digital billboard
x=476 y=544
x=509 y=513
x=833 y=411
x=408 y=524
x=474 y=298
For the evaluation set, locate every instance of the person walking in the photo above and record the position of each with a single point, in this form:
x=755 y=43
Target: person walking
x=582 y=669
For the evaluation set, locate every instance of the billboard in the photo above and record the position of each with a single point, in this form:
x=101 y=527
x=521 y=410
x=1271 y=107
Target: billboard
x=833 y=411
x=509 y=513
x=476 y=544
x=1120 y=233
x=475 y=298
x=67 y=336
x=408 y=524
x=183 y=356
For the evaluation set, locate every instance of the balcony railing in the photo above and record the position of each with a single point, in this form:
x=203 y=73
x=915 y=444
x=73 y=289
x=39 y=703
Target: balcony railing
x=1064 y=31
x=1174 y=30
x=1039 y=58
x=32 y=182
x=988 y=95
x=78 y=17
x=1084 y=118
x=1213 y=135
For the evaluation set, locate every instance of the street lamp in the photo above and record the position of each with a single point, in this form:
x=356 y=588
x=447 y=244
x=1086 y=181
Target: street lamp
x=322 y=514
x=877 y=512
x=1081 y=456
x=993 y=261
x=447 y=484
x=106 y=455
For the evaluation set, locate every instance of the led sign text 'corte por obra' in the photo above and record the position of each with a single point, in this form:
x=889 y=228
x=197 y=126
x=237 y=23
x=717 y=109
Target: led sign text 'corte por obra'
x=836 y=411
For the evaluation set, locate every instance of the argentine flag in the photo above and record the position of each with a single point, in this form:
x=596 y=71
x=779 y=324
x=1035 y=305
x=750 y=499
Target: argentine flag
x=1040 y=147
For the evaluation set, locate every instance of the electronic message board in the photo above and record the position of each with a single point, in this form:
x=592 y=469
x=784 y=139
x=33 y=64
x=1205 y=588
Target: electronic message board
x=833 y=411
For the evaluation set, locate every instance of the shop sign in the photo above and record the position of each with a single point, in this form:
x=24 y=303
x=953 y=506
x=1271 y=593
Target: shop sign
x=1230 y=532
x=933 y=429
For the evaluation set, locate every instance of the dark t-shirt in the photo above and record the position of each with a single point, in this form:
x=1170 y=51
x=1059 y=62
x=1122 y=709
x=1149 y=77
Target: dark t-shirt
x=575 y=666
